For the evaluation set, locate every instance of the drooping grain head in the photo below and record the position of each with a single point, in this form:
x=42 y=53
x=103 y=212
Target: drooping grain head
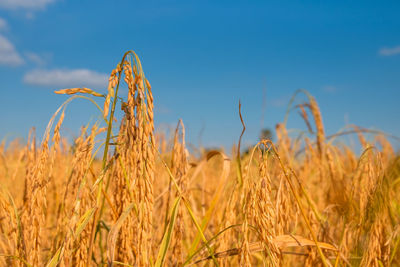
x=135 y=167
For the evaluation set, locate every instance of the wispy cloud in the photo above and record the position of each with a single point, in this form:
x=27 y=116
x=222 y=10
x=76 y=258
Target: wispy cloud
x=66 y=78
x=25 y=4
x=8 y=54
x=3 y=24
x=389 y=51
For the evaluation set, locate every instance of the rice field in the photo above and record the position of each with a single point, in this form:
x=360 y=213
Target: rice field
x=124 y=195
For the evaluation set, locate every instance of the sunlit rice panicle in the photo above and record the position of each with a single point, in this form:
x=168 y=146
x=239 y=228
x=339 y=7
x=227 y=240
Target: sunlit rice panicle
x=31 y=154
x=319 y=124
x=179 y=168
x=87 y=201
x=148 y=144
x=351 y=159
x=124 y=194
x=284 y=143
x=112 y=83
x=106 y=108
x=34 y=217
x=312 y=258
x=78 y=199
x=304 y=115
x=286 y=210
x=66 y=209
x=83 y=90
x=9 y=235
x=376 y=253
x=263 y=214
x=388 y=152
x=56 y=136
x=56 y=142
x=230 y=218
x=361 y=137
x=260 y=212
x=244 y=258
x=365 y=181
x=336 y=191
x=245 y=253
x=375 y=221
x=138 y=154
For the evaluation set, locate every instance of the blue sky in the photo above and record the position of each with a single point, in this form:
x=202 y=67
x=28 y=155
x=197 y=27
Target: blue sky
x=201 y=57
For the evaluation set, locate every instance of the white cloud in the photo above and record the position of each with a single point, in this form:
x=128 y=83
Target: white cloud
x=3 y=24
x=8 y=54
x=24 y=4
x=389 y=51
x=62 y=78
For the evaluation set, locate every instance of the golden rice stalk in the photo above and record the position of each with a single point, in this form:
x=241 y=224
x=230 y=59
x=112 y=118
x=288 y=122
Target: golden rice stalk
x=312 y=258
x=244 y=258
x=375 y=218
x=262 y=213
x=112 y=236
x=56 y=145
x=286 y=209
x=9 y=232
x=87 y=202
x=361 y=137
x=112 y=82
x=148 y=161
x=36 y=204
x=284 y=141
x=82 y=90
x=106 y=109
x=376 y=254
x=77 y=200
x=388 y=152
x=229 y=218
x=336 y=188
x=137 y=158
x=123 y=177
x=244 y=251
x=365 y=182
x=31 y=155
x=304 y=115
x=180 y=166
x=319 y=124
x=56 y=136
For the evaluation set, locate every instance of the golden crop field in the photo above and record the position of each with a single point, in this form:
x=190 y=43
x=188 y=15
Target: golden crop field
x=123 y=195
